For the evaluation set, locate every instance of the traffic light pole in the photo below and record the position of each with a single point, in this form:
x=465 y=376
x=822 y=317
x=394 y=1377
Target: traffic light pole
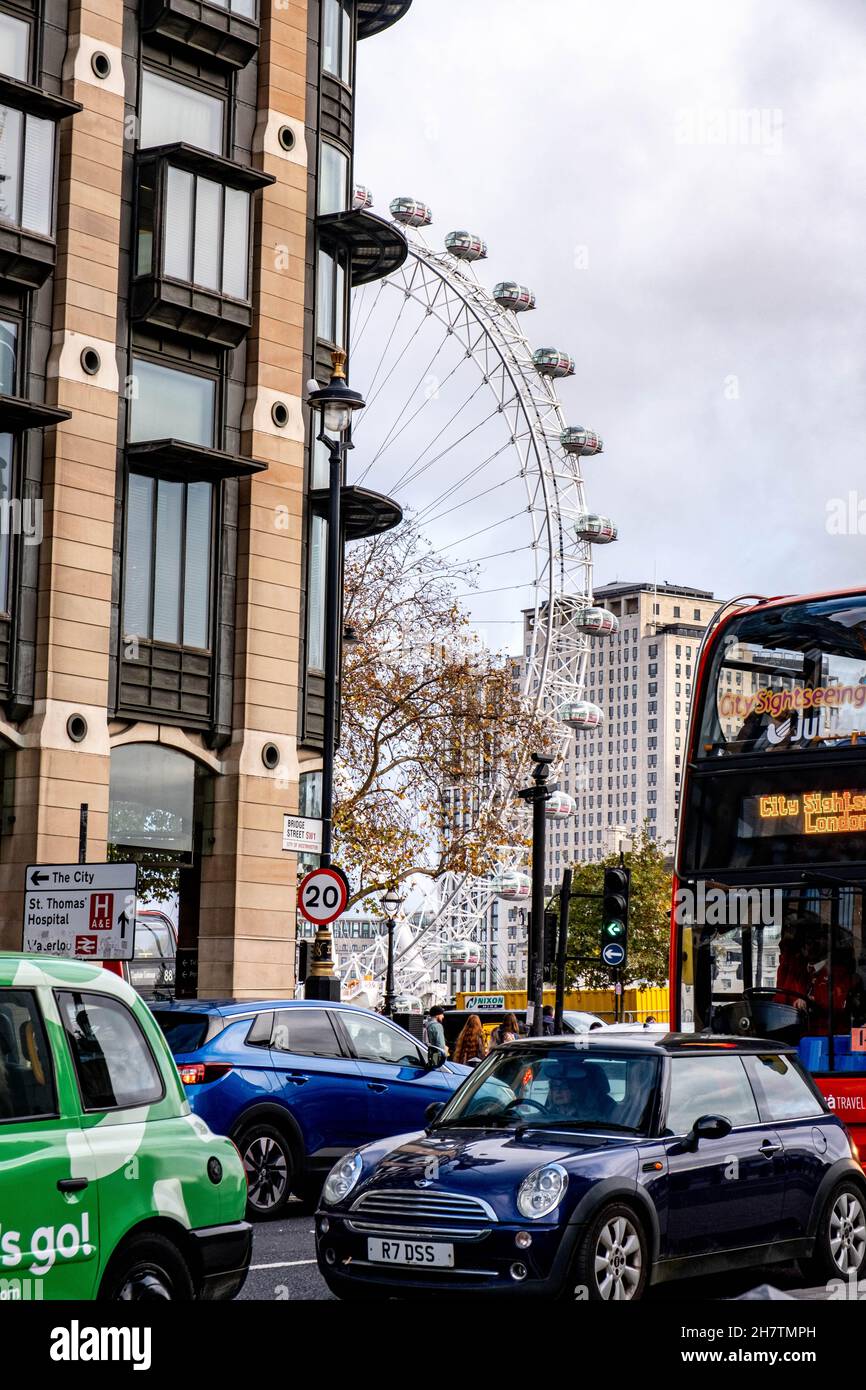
x=562 y=949
x=537 y=795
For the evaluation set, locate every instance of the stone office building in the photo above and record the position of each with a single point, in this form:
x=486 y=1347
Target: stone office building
x=178 y=240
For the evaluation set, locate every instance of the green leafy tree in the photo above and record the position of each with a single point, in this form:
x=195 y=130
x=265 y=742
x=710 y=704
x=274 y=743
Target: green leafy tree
x=649 y=917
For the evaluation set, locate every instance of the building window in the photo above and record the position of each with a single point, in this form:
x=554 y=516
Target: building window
x=171 y=112
x=333 y=179
x=14 y=45
x=331 y=299
x=316 y=593
x=168 y=561
x=27 y=164
x=206 y=231
x=170 y=404
x=337 y=39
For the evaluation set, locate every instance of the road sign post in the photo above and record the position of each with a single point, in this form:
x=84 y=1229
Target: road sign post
x=322 y=897
x=81 y=911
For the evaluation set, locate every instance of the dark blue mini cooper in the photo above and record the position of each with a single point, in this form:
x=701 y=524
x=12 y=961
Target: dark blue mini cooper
x=590 y=1167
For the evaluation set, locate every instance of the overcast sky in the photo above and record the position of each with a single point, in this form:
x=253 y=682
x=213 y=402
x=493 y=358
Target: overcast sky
x=683 y=186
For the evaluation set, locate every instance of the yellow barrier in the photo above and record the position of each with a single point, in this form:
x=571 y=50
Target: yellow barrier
x=638 y=1004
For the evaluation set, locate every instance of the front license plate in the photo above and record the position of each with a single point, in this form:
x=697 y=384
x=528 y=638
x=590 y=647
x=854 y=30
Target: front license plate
x=410 y=1252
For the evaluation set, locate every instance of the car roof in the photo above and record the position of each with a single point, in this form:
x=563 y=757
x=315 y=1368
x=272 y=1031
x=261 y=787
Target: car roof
x=229 y=1006
x=20 y=971
x=676 y=1044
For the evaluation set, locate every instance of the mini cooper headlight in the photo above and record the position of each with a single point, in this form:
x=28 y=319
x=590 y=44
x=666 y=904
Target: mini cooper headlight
x=342 y=1177
x=541 y=1191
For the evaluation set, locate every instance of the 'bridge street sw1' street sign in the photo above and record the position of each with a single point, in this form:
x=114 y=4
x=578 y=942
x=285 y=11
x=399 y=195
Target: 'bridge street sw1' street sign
x=81 y=911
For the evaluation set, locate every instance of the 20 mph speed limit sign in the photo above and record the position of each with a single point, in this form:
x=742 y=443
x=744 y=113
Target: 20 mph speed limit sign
x=322 y=896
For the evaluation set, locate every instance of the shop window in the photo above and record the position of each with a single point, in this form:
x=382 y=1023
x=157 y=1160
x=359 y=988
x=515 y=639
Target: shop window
x=151 y=798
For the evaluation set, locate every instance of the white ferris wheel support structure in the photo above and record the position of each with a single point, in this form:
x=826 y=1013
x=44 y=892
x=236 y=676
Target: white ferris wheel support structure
x=442 y=286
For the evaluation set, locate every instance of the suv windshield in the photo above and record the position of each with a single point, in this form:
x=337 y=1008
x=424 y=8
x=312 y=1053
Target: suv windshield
x=520 y=1087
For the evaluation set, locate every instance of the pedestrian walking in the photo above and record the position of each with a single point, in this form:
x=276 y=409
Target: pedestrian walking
x=507 y=1031
x=434 y=1033
x=471 y=1047
x=547 y=1020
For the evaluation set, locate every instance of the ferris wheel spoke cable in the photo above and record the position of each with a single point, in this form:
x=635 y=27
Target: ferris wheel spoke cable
x=500 y=483
x=390 y=339
x=462 y=482
x=503 y=521
x=390 y=437
x=411 y=477
x=356 y=337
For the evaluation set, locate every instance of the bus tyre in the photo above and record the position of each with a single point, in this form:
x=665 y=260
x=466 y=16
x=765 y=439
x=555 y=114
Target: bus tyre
x=612 y=1261
x=840 y=1240
x=270 y=1167
x=147 y=1268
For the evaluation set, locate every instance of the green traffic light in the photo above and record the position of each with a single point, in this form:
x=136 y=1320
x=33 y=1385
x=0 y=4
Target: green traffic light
x=613 y=928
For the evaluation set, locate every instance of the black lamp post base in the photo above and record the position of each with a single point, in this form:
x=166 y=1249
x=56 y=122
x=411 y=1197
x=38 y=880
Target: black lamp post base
x=322 y=987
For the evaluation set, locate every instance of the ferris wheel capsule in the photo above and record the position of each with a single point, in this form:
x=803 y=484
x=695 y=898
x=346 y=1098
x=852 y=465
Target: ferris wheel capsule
x=552 y=362
x=509 y=295
x=411 y=212
x=600 y=530
x=560 y=806
x=598 y=622
x=513 y=887
x=466 y=246
x=576 y=440
x=464 y=955
x=361 y=197
x=582 y=714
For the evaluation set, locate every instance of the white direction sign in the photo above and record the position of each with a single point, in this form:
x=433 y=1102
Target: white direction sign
x=303 y=834
x=322 y=896
x=82 y=911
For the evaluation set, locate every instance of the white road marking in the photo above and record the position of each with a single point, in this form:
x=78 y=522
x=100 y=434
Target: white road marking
x=284 y=1264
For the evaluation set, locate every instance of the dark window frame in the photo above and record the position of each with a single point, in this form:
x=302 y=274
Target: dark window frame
x=215 y=373
x=104 y=998
x=222 y=91
x=51 y=1076
x=29 y=16
x=215 y=514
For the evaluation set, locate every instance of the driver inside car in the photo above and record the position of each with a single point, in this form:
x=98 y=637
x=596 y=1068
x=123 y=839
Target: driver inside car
x=579 y=1094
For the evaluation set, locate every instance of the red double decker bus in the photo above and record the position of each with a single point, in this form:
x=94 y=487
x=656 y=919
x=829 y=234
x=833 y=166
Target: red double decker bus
x=768 y=931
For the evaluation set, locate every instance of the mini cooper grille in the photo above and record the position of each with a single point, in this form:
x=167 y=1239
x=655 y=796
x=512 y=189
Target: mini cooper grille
x=434 y=1211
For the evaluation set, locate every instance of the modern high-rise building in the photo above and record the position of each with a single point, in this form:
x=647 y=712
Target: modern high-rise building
x=629 y=769
x=179 y=236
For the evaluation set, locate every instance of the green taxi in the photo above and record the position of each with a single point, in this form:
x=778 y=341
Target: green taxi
x=110 y=1187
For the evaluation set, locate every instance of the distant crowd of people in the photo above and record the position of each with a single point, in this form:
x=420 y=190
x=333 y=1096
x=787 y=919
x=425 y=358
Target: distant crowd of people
x=471 y=1046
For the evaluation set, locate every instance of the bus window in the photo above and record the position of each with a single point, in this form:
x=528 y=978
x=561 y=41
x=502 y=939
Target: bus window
x=785 y=679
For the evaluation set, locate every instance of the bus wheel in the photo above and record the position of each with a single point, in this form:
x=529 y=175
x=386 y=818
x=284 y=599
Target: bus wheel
x=840 y=1240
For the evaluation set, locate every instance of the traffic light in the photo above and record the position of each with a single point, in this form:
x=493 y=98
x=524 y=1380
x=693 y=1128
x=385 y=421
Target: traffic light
x=614 y=916
x=551 y=931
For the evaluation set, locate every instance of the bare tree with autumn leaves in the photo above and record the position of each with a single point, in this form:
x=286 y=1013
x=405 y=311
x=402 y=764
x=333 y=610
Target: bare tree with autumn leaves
x=433 y=725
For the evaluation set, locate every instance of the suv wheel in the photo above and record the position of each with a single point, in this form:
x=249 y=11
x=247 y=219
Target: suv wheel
x=148 y=1268
x=840 y=1240
x=270 y=1165
x=612 y=1263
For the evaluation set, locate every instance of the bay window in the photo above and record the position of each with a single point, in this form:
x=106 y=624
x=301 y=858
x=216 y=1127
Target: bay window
x=14 y=46
x=333 y=179
x=168 y=560
x=167 y=403
x=172 y=110
x=207 y=233
x=337 y=39
x=26 y=170
x=331 y=309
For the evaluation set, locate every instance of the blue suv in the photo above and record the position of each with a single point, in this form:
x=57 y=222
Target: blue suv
x=297 y=1083
x=589 y=1168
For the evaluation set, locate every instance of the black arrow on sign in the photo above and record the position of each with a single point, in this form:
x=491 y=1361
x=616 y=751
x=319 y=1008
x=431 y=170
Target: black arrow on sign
x=37 y=878
x=123 y=923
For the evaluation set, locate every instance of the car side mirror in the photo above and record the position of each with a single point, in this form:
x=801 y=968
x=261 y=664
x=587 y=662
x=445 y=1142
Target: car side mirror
x=435 y=1057
x=709 y=1127
x=433 y=1111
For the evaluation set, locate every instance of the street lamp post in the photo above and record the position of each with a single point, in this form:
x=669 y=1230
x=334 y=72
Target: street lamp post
x=391 y=904
x=537 y=795
x=335 y=404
